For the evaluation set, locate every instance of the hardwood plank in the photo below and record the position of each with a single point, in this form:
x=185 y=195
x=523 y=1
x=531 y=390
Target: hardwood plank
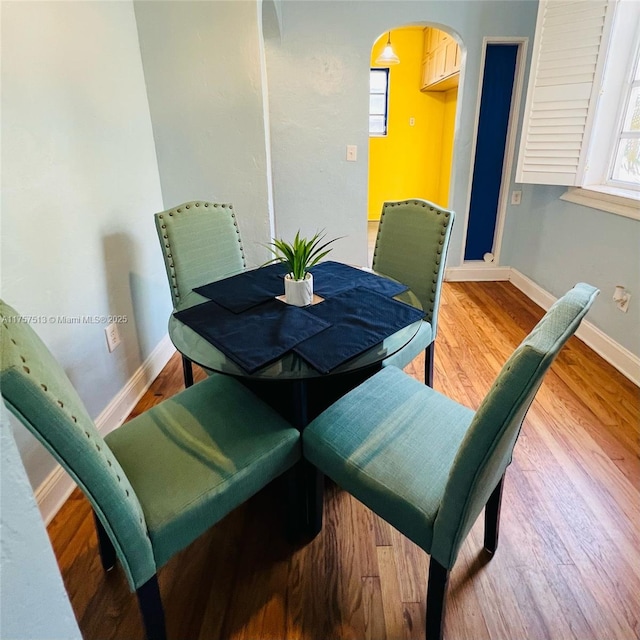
x=412 y=565
x=568 y=562
x=372 y=606
x=391 y=602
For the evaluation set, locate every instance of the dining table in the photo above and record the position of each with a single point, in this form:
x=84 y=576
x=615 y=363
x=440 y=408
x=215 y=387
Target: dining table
x=299 y=360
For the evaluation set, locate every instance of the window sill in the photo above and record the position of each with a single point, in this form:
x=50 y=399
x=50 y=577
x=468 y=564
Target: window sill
x=621 y=202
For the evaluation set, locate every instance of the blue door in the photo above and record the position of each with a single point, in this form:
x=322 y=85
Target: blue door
x=495 y=106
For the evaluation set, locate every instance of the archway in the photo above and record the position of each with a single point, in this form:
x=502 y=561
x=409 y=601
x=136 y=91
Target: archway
x=411 y=157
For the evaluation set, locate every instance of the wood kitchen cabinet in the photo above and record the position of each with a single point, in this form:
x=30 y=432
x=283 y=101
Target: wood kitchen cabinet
x=440 y=62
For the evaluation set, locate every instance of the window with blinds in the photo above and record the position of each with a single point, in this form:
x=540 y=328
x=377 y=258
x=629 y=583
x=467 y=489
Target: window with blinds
x=566 y=69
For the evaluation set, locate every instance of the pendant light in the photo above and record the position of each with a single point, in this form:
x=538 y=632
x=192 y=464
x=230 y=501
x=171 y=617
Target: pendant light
x=388 y=56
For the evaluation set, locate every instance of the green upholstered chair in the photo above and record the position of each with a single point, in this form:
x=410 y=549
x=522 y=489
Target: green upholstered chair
x=411 y=247
x=160 y=480
x=200 y=243
x=429 y=465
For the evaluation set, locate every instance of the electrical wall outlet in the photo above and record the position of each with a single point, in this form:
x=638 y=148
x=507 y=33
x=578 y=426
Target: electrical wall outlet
x=113 y=336
x=623 y=304
x=621 y=297
x=516 y=197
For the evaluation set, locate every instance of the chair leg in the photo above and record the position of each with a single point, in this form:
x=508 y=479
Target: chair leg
x=436 y=599
x=428 y=365
x=105 y=546
x=187 y=370
x=151 y=609
x=492 y=518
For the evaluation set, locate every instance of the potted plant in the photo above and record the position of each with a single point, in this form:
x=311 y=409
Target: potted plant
x=299 y=256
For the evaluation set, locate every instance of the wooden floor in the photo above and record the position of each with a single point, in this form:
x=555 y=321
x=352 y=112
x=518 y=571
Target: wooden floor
x=568 y=564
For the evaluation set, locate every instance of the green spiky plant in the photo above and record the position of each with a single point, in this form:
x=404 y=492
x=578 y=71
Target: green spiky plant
x=301 y=254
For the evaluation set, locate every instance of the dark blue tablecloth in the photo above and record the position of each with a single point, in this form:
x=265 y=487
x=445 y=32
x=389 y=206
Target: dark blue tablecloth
x=360 y=319
x=250 y=288
x=256 y=338
x=332 y=278
x=247 y=289
x=247 y=324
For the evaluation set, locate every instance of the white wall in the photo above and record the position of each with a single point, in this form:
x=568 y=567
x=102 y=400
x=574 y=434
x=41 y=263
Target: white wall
x=202 y=65
x=318 y=87
x=79 y=186
x=558 y=243
x=34 y=603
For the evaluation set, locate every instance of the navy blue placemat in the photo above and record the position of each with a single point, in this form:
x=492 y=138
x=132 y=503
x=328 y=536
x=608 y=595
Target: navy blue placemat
x=247 y=289
x=332 y=278
x=360 y=319
x=253 y=339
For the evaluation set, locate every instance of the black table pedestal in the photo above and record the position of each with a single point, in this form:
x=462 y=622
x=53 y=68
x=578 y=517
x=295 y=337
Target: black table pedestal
x=299 y=402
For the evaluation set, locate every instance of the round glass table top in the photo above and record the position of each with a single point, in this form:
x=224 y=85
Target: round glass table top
x=291 y=366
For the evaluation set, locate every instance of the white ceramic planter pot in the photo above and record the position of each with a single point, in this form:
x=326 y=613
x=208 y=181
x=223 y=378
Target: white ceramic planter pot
x=299 y=293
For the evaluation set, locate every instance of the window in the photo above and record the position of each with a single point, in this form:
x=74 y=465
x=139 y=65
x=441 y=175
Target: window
x=582 y=117
x=625 y=168
x=378 y=101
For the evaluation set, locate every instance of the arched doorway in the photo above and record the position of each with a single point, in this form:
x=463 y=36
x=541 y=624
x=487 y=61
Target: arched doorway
x=411 y=152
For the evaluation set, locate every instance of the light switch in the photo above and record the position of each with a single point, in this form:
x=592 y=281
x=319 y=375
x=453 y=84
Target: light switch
x=352 y=152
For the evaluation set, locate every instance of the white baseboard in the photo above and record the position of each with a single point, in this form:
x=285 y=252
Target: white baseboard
x=55 y=490
x=627 y=363
x=480 y=273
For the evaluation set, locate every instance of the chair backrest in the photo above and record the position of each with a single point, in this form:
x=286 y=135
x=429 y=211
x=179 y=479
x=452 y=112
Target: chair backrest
x=486 y=449
x=200 y=243
x=411 y=247
x=38 y=392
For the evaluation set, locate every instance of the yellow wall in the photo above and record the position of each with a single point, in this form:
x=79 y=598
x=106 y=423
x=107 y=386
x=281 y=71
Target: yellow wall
x=408 y=162
x=448 y=130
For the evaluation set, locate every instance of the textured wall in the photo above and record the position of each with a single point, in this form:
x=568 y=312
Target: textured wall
x=318 y=93
x=34 y=603
x=558 y=243
x=202 y=65
x=79 y=185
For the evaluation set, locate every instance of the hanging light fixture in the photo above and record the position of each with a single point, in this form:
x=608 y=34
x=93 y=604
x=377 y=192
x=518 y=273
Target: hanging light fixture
x=388 y=55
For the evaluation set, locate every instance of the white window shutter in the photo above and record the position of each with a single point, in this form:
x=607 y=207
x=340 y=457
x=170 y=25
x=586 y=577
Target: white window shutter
x=566 y=69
